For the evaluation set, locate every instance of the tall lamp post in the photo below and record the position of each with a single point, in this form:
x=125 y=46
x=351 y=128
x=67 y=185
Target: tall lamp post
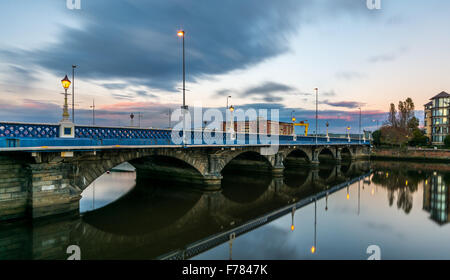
x=93 y=111
x=359 y=132
x=232 y=122
x=317 y=109
x=73 y=93
x=181 y=34
x=348 y=133
x=66 y=84
x=293 y=119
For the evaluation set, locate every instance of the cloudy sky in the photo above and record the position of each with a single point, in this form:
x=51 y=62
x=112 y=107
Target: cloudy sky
x=263 y=53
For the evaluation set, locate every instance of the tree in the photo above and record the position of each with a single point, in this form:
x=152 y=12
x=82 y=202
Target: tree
x=392 y=118
x=418 y=138
x=447 y=141
x=413 y=124
x=393 y=135
x=376 y=136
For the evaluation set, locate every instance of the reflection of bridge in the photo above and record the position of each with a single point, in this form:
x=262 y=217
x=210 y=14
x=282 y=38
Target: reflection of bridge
x=45 y=170
x=152 y=220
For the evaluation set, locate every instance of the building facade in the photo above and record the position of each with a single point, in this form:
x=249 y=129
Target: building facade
x=261 y=126
x=427 y=119
x=436 y=117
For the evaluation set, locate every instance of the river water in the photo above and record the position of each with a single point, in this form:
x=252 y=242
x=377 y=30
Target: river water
x=358 y=210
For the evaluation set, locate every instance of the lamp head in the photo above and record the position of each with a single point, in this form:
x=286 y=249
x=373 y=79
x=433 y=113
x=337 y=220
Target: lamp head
x=65 y=82
x=231 y=108
x=180 y=33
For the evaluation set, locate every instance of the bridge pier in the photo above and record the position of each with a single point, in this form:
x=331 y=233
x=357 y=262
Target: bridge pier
x=338 y=154
x=51 y=191
x=315 y=157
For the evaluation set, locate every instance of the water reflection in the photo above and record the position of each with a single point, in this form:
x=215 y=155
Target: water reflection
x=301 y=215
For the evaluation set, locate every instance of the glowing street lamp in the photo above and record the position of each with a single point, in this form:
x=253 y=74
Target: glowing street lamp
x=181 y=34
x=348 y=133
x=66 y=84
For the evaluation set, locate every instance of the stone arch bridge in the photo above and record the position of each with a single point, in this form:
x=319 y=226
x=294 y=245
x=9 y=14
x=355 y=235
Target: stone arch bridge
x=42 y=183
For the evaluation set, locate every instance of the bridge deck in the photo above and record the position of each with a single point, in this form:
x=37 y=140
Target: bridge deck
x=45 y=137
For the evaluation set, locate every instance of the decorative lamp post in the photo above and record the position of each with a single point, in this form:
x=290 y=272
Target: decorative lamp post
x=294 y=136
x=66 y=84
x=66 y=127
x=328 y=137
x=232 y=123
x=131 y=117
x=348 y=133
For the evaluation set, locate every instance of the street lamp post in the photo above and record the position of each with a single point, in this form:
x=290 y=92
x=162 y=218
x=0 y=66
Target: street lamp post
x=181 y=34
x=66 y=84
x=73 y=92
x=228 y=97
x=131 y=117
x=348 y=133
x=232 y=123
x=317 y=109
x=359 y=132
x=328 y=137
x=294 y=136
x=93 y=111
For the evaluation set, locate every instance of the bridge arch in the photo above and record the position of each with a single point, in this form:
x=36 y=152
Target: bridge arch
x=347 y=153
x=327 y=152
x=296 y=157
x=87 y=171
x=241 y=158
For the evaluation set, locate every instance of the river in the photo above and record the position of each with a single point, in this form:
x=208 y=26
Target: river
x=354 y=210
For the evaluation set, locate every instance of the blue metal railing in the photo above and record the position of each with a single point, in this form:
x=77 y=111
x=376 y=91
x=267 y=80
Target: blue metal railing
x=13 y=135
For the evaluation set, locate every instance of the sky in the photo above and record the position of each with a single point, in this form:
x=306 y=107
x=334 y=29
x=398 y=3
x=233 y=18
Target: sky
x=262 y=53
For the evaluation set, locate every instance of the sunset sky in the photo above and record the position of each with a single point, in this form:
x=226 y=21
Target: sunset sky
x=264 y=53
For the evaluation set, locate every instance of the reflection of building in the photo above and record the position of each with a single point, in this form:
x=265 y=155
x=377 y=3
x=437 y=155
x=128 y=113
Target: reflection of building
x=436 y=199
x=261 y=126
x=437 y=124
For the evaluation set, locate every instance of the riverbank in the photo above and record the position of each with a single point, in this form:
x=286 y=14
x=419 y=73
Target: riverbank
x=411 y=154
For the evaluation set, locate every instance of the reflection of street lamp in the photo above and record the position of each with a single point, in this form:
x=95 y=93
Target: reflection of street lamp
x=66 y=84
x=292 y=222
x=313 y=248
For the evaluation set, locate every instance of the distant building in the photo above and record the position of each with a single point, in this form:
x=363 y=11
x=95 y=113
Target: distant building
x=427 y=119
x=264 y=125
x=436 y=117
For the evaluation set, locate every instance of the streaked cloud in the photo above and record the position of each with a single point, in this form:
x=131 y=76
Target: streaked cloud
x=343 y=104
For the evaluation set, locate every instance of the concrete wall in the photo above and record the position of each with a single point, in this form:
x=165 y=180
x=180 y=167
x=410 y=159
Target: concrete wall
x=411 y=154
